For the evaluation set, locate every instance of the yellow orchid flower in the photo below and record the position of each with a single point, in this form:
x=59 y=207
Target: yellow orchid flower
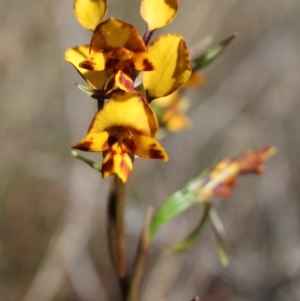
x=124 y=127
x=117 y=46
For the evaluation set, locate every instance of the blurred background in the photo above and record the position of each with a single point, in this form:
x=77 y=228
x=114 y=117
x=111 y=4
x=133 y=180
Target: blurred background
x=53 y=207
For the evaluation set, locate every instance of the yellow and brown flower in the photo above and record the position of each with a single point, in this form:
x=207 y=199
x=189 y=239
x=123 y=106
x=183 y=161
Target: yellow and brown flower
x=124 y=127
x=117 y=46
x=222 y=179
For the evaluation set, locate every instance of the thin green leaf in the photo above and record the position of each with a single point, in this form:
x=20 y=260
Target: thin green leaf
x=89 y=162
x=174 y=205
x=219 y=233
x=94 y=93
x=189 y=242
x=87 y=90
x=211 y=54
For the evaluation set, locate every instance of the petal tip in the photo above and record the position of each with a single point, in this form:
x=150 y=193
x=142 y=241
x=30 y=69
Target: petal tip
x=84 y=146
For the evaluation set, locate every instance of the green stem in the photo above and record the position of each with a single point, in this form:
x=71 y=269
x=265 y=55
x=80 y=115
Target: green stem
x=116 y=230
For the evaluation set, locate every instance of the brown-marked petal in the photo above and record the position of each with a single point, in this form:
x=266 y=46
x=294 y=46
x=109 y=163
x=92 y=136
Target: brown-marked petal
x=96 y=79
x=98 y=62
x=158 y=13
x=252 y=161
x=113 y=34
x=221 y=180
x=93 y=142
x=117 y=162
x=124 y=81
x=146 y=147
x=171 y=59
x=142 y=62
x=90 y=13
x=128 y=110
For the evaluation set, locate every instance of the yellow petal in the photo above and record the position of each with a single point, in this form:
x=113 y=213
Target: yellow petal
x=146 y=147
x=142 y=62
x=158 y=13
x=113 y=34
x=128 y=110
x=171 y=58
x=90 y=13
x=93 y=142
x=99 y=62
x=117 y=162
x=96 y=79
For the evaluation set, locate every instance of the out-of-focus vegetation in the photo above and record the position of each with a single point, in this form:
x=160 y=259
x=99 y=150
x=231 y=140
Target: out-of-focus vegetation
x=52 y=207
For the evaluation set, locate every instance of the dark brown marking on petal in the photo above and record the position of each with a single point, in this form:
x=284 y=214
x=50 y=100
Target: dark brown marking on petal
x=88 y=64
x=156 y=154
x=112 y=140
x=108 y=165
x=148 y=97
x=128 y=64
x=129 y=143
x=148 y=66
x=84 y=146
x=151 y=117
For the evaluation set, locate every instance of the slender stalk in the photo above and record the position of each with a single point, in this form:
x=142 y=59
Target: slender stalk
x=147 y=36
x=116 y=230
x=140 y=259
x=100 y=103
